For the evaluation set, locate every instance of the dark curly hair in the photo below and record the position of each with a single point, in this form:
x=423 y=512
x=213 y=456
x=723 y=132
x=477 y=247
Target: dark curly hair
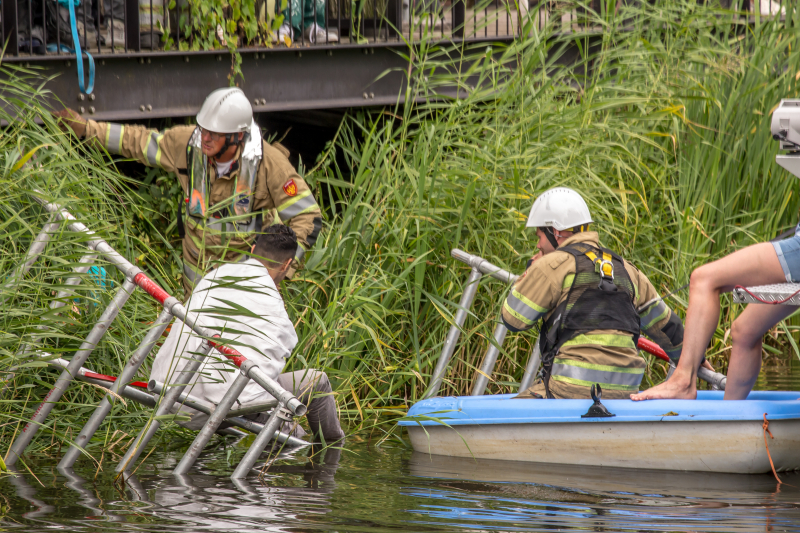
x=277 y=244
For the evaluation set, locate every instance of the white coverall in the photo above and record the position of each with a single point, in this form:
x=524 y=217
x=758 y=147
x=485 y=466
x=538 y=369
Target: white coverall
x=239 y=301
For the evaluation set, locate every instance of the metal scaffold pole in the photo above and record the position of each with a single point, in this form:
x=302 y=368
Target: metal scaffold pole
x=125 y=376
x=80 y=357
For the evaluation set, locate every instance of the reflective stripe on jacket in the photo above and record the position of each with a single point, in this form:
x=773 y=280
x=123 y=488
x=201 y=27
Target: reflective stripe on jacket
x=611 y=377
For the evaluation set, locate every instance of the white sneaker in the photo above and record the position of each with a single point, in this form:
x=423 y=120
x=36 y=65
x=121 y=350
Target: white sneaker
x=285 y=34
x=316 y=34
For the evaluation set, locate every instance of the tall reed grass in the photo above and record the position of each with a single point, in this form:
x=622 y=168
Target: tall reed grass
x=662 y=123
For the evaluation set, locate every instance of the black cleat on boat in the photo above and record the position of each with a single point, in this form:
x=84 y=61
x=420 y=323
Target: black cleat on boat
x=597 y=410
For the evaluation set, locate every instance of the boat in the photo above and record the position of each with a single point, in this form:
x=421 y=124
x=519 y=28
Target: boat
x=704 y=435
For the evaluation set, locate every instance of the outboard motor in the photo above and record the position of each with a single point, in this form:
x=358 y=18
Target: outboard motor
x=786 y=129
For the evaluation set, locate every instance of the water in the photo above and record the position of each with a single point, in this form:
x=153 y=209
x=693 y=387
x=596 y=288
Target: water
x=780 y=373
x=391 y=488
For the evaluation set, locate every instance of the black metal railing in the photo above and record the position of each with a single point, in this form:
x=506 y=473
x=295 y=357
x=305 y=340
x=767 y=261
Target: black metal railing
x=44 y=27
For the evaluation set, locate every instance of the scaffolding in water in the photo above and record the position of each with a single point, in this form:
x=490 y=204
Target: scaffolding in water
x=285 y=405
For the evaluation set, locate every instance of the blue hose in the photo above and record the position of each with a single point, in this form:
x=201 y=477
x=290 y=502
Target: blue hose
x=79 y=56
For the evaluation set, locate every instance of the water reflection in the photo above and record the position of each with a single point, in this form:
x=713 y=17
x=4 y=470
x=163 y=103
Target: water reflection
x=204 y=500
x=779 y=373
x=218 y=503
x=521 y=496
x=25 y=491
x=390 y=488
x=88 y=498
x=137 y=491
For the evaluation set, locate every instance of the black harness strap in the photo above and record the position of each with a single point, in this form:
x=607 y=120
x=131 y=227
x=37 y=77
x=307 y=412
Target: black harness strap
x=589 y=306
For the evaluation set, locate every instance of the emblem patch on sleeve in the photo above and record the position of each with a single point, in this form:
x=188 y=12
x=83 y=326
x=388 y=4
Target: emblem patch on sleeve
x=290 y=188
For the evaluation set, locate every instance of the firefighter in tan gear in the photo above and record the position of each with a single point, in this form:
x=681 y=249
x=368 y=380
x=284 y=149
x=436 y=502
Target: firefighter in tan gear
x=231 y=177
x=594 y=305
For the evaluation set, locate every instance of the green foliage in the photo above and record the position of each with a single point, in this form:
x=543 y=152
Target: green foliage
x=240 y=22
x=214 y=25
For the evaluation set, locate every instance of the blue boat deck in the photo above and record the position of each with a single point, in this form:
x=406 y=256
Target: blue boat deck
x=503 y=409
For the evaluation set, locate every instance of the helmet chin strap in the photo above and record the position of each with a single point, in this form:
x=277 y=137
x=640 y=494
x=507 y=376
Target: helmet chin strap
x=230 y=140
x=548 y=232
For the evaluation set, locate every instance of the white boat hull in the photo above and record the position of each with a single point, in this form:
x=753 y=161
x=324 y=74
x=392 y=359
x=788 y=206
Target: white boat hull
x=708 y=446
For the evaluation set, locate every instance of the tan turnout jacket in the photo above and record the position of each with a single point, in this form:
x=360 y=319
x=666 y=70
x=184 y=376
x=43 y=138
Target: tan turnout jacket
x=278 y=188
x=608 y=357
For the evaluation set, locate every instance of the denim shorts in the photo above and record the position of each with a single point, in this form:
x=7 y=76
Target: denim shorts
x=788 y=251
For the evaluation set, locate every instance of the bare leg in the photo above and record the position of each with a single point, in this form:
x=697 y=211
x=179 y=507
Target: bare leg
x=747 y=334
x=754 y=265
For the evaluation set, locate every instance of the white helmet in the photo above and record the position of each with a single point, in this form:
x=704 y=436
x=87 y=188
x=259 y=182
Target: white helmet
x=560 y=208
x=226 y=111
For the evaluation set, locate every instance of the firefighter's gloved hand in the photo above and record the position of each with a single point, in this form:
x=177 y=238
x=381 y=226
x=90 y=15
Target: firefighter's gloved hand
x=70 y=120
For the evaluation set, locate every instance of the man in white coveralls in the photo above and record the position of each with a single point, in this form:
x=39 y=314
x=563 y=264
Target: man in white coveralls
x=241 y=302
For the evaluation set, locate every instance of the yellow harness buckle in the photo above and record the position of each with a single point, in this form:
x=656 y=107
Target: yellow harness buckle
x=606 y=267
x=603 y=266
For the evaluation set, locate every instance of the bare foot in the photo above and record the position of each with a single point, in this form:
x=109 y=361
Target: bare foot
x=670 y=389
